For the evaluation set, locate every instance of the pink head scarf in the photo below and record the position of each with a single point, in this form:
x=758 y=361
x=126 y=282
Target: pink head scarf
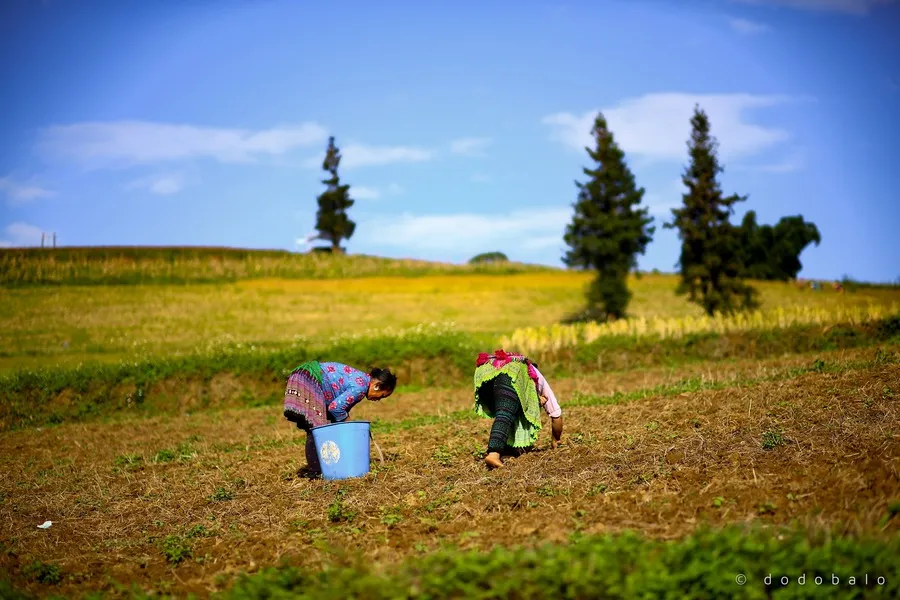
x=501 y=358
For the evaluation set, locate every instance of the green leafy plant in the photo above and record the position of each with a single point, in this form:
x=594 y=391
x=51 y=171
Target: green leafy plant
x=337 y=512
x=772 y=439
x=391 y=518
x=596 y=489
x=176 y=549
x=221 y=495
x=43 y=572
x=443 y=456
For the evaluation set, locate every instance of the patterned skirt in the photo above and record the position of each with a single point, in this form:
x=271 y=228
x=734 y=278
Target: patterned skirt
x=304 y=400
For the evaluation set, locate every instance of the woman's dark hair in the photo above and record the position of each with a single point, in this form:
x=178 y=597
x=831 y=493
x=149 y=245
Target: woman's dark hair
x=386 y=380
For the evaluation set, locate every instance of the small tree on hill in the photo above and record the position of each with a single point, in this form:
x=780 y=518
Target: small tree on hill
x=773 y=252
x=608 y=229
x=711 y=256
x=488 y=257
x=332 y=221
x=792 y=236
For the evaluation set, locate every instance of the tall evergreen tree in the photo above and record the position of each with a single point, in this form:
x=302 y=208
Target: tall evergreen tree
x=332 y=221
x=756 y=242
x=609 y=228
x=711 y=256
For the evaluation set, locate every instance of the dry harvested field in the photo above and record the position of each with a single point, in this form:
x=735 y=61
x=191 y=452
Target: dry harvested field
x=183 y=504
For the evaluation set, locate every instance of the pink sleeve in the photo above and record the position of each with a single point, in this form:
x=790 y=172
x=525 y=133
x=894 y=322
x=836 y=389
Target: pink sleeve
x=552 y=406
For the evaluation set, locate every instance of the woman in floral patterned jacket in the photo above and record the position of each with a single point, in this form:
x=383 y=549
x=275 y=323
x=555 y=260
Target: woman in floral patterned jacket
x=319 y=393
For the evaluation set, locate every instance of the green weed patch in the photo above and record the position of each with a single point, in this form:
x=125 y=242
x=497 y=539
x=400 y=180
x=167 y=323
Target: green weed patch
x=711 y=563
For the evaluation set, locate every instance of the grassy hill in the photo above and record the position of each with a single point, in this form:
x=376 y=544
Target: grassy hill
x=105 y=265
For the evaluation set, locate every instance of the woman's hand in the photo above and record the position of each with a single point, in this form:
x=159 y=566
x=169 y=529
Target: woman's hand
x=556 y=429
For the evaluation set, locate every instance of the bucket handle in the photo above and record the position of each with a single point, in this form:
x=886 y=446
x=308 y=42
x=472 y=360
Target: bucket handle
x=380 y=455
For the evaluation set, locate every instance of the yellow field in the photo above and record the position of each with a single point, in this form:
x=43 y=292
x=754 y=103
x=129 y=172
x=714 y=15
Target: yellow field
x=555 y=337
x=71 y=323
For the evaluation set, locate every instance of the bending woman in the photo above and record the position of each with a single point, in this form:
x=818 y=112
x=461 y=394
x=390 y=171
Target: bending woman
x=510 y=389
x=319 y=393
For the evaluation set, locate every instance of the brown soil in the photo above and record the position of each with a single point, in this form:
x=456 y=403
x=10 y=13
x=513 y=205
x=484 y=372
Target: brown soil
x=661 y=466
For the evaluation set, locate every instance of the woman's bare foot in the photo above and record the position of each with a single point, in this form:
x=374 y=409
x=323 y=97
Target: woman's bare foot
x=492 y=460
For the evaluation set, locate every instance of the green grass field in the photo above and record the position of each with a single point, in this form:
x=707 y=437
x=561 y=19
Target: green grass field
x=144 y=420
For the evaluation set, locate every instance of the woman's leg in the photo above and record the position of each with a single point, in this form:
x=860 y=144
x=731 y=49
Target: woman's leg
x=312 y=457
x=506 y=410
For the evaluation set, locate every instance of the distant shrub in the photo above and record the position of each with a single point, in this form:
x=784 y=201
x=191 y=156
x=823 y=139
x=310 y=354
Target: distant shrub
x=488 y=257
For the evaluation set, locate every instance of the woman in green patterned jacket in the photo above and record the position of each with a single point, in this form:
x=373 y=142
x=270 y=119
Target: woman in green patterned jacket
x=510 y=389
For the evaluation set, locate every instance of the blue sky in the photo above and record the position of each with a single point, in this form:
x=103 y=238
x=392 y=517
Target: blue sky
x=462 y=124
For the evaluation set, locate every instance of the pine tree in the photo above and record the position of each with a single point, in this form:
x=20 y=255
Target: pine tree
x=711 y=264
x=608 y=229
x=757 y=242
x=332 y=221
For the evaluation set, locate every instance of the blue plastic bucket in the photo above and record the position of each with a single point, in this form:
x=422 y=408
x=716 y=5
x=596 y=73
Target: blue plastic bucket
x=343 y=449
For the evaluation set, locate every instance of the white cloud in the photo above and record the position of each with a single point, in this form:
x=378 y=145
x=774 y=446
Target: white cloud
x=20 y=234
x=126 y=143
x=747 y=27
x=135 y=142
x=473 y=146
x=480 y=178
x=167 y=185
x=305 y=243
x=19 y=192
x=364 y=193
x=657 y=126
x=362 y=155
x=543 y=242
x=164 y=184
x=794 y=162
x=469 y=232
x=854 y=7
